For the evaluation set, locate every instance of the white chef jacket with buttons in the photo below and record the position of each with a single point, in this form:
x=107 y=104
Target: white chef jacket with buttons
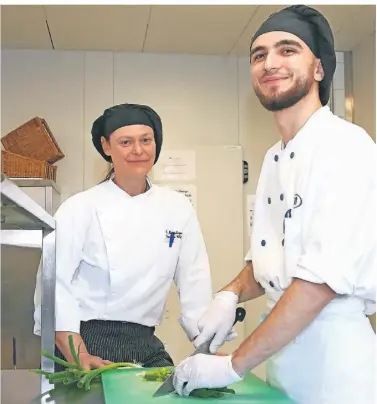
x=117 y=256
x=315 y=219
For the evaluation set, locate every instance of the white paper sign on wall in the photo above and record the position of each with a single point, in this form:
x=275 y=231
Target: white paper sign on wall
x=175 y=166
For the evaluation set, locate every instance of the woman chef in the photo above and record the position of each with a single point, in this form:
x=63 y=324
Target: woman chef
x=120 y=245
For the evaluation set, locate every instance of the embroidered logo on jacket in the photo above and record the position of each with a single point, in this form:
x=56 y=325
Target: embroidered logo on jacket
x=297 y=201
x=172 y=235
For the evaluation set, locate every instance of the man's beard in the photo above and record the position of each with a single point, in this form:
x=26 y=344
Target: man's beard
x=287 y=99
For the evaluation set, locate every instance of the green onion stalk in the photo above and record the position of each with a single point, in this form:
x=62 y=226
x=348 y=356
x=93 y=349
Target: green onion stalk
x=75 y=373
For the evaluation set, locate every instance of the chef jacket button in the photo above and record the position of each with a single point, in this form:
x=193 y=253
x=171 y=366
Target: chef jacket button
x=281 y=197
x=263 y=243
x=292 y=155
x=271 y=284
x=269 y=201
x=276 y=158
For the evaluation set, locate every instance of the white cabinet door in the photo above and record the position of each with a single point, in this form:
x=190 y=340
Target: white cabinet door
x=219 y=202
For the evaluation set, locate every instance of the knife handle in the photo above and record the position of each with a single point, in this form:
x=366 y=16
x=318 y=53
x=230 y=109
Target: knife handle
x=240 y=315
x=14 y=353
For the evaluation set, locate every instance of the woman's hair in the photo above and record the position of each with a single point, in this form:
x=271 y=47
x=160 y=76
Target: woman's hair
x=108 y=175
x=111 y=172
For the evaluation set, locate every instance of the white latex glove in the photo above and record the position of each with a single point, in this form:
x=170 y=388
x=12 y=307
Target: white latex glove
x=204 y=371
x=218 y=320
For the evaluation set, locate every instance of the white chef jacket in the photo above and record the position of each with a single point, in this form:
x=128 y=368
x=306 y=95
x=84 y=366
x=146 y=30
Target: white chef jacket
x=315 y=211
x=117 y=257
x=315 y=219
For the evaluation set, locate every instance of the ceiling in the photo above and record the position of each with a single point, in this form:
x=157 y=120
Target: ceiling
x=221 y=30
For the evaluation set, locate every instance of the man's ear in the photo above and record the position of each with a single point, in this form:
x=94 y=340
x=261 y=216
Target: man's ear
x=319 y=72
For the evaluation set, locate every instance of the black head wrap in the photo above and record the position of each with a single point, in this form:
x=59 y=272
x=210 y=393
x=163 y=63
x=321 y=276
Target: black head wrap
x=124 y=115
x=311 y=27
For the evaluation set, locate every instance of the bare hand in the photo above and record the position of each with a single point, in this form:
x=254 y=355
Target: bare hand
x=90 y=362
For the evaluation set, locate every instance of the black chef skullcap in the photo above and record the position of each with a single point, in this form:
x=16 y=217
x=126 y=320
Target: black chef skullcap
x=312 y=28
x=124 y=115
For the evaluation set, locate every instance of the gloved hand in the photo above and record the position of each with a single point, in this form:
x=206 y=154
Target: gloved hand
x=218 y=320
x=204 y=371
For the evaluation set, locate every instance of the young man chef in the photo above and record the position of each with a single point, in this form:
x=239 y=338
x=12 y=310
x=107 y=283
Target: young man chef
x=313 y=249
x=120 y=245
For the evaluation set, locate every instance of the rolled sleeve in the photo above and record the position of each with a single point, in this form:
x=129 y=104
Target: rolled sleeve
x=339 y=229
x=193 y=277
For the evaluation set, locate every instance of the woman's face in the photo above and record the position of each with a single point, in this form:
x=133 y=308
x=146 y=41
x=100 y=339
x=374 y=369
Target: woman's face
x=132 y=149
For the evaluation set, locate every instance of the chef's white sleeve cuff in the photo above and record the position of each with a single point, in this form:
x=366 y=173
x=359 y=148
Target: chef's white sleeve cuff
x=67 y=319
x=310 y=272
x=69 y=323
x=37 y=321
x=68 y=326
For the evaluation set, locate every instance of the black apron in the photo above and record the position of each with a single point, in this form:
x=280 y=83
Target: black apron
x=119 y=341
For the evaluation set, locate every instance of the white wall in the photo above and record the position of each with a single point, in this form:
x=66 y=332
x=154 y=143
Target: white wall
x=48 y=85
x=364 y=84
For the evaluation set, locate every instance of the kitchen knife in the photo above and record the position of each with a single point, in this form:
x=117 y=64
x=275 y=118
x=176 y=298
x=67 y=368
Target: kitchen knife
x=167 y=387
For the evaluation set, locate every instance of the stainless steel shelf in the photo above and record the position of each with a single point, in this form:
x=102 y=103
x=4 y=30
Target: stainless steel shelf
x=20 y=212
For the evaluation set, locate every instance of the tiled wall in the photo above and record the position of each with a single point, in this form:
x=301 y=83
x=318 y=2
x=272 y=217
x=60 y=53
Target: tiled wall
x=337 y=100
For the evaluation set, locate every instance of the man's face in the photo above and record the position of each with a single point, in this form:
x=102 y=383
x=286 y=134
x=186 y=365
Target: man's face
x=283 y=70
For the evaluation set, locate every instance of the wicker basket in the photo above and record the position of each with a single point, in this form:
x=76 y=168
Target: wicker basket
x=15 y=166
x=33 y=139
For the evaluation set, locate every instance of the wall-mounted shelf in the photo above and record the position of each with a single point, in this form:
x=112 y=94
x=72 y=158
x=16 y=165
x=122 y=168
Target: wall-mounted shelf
x=20 y=212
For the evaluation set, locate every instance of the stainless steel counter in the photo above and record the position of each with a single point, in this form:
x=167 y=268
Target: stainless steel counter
x=24 y=387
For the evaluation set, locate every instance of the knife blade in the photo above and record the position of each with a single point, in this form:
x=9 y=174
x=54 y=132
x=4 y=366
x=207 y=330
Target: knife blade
x=167 y=386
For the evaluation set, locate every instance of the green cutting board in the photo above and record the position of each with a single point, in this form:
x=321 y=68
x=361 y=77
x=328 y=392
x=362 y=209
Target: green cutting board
x=125 y=386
